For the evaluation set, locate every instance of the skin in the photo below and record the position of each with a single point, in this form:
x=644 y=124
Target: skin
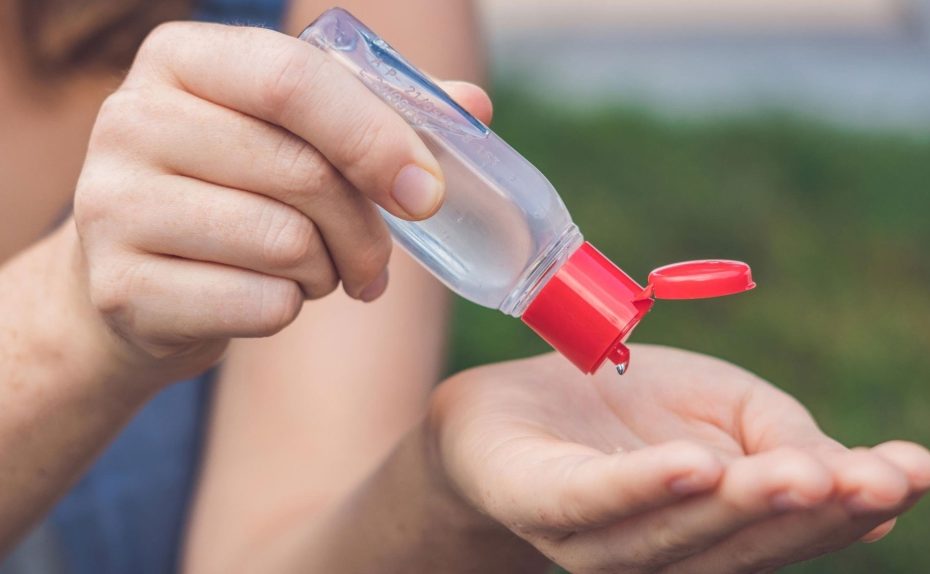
x=202 y=235
x=120 y=334
x=686 y=464
x=225 y=184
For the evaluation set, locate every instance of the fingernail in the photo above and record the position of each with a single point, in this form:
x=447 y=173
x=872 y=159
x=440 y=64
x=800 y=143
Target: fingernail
x=417 y=191
x=375 y=289
x=785 y=501
x=689 y=484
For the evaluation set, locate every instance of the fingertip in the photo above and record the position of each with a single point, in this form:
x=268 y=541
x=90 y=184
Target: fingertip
x=879 y=532
x=471 y=97
x=868 y=483
x=376 y=288
x=911 y=458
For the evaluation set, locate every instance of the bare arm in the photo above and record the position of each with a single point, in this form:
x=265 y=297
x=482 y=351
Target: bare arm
x=214 y=198
x=62 y=393
x=295 y=476
x=61 y=397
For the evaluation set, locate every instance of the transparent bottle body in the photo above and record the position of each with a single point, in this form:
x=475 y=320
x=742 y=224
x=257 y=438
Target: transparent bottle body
x=502 y=229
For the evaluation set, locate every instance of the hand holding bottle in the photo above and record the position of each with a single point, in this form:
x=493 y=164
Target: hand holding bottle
x=235 y=174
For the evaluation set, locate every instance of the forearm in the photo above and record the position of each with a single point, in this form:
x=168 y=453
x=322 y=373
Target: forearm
x=402 y=518
x=301 y=419
x=62 y=396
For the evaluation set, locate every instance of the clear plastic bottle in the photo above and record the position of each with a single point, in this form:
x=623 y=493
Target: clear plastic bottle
x=502 y=224
x=502 y=237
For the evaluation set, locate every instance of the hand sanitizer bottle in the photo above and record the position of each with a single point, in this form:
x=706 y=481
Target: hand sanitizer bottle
x=503 y=238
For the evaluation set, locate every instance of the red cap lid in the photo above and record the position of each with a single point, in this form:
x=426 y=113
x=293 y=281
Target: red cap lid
x=700 y=279
x=590 y=306
x=587 y=309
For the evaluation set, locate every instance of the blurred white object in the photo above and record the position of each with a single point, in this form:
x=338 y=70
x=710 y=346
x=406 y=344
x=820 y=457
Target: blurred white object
x=691 y=15
x=863 y=62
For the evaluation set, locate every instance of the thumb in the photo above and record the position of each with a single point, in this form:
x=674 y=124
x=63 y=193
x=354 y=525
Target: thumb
x=557 y=486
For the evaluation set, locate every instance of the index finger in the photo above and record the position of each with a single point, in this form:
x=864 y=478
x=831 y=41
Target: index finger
x=291 y=83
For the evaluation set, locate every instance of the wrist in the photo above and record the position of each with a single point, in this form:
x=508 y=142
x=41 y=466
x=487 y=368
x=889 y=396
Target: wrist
x=447 y=500
x=440 y=517
x=459 y=513
x=402 y=518
x=55 y=328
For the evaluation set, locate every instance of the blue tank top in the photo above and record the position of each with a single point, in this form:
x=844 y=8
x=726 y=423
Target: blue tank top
x=126 y=515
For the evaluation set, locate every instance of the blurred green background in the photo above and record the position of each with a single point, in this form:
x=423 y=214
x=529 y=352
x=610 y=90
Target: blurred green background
x=834 y=221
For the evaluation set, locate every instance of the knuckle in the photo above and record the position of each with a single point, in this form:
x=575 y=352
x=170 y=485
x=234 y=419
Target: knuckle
x=280 y=302
x=117 y=117
x=109 y=300
x=292 y=70
x=90 y=204
x=666 y=545
x=361 y=141
x=290 y=238
x=300 y=169
x=161 y=38
x=111 y=290
x=132 y=116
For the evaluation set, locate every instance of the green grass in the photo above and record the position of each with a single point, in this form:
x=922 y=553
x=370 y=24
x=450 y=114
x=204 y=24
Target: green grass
x=835 y=223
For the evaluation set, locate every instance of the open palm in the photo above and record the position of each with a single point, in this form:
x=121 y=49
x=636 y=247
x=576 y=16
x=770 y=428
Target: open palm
x=686 y=464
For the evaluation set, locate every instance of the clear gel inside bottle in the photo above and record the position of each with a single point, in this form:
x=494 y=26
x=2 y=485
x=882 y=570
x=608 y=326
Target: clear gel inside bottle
x=502 y=226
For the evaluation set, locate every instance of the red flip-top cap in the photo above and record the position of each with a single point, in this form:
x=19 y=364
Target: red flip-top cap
x=587 y=309
x=590 y=306
x=700 y=279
